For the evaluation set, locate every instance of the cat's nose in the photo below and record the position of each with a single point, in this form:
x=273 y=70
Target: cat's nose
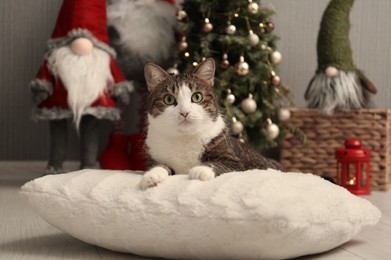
x=184 y=114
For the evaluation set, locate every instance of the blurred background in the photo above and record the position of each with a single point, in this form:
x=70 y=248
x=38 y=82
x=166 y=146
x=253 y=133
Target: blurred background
x=26 y=26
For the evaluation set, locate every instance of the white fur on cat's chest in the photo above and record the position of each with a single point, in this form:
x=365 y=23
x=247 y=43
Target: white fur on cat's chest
x=180 y=154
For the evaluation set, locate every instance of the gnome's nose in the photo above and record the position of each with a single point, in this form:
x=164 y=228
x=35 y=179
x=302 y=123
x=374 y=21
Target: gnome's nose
x=82 y=46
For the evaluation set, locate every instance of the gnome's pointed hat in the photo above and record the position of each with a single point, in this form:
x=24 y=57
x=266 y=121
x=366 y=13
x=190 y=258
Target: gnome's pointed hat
x=81 y=18
x=337 y=84
x=333 y=46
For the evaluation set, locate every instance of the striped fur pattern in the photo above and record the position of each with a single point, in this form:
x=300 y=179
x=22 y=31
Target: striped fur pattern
x=186 y=133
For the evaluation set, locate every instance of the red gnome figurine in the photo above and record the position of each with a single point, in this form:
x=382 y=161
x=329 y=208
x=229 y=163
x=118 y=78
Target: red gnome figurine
x=79 y=79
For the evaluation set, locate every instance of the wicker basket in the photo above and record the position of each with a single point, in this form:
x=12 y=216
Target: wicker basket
x=326 y=133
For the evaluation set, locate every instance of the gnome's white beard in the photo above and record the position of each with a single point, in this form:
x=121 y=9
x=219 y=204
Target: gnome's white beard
x=84 y=77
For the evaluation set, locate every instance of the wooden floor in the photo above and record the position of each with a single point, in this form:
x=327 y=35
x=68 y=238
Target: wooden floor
x=24 y=235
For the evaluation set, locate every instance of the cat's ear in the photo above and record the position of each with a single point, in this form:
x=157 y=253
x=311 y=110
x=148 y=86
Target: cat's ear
x=206 y=70
x=154 y=75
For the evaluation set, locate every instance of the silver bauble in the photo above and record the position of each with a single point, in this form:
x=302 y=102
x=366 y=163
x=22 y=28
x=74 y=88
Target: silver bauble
x=230 y=99
x=237 y=127
x=276 y=57
x=284 y=114
x=273 y=131
x=253 y=8
x=231 y=29
x=248 y=105
x=253 y=38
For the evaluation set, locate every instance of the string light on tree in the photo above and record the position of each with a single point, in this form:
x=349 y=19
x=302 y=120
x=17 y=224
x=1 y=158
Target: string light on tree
x=262 y=26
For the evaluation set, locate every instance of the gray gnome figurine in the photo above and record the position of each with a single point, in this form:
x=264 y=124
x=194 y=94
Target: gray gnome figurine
x=78 y=79
x=338 y=85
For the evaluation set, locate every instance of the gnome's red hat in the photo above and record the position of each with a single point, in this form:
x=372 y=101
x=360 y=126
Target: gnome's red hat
x=81 y=18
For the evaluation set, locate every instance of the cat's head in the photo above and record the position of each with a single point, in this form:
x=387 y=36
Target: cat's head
x=182 y=103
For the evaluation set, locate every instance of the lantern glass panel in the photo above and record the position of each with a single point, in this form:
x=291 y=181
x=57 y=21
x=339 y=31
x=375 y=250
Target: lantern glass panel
x=363 y=174
x=351 y=176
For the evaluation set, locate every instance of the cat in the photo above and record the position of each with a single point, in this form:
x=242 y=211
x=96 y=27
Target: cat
x=186 y=133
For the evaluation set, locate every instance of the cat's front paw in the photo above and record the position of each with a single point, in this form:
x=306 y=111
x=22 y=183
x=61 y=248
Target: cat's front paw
x=153 y=177
x=203 y=173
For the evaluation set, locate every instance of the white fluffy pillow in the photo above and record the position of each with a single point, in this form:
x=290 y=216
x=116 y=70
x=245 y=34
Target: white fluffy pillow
x=262 y=214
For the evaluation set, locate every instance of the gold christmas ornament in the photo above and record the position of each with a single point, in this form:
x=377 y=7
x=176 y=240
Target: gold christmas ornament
x=248 y=105
x=208 y=27
x=242 y=68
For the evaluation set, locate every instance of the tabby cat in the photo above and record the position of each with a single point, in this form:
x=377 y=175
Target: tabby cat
x=186 y=133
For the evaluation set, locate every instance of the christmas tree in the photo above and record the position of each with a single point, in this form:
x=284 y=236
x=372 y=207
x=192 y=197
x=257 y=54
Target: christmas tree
x=239 y=36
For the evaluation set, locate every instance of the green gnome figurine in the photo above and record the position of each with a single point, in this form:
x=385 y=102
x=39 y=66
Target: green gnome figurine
x=338 y=85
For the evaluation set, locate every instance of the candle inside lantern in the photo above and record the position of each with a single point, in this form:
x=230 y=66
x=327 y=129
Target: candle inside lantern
x=352 y=181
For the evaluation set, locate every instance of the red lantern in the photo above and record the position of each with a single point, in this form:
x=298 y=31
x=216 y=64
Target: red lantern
x=353 y=167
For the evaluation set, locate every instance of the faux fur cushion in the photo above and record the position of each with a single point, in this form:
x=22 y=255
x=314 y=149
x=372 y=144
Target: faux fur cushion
x=262 y=214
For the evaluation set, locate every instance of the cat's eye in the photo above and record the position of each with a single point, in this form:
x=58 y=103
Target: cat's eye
x=197 y=97
x=169 y=100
